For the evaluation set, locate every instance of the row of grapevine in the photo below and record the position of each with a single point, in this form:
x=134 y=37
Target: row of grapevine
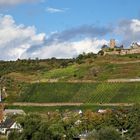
x=82 y=92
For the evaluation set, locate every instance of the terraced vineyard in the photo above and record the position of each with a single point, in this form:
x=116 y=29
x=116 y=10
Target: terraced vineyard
x=82 y=92
x=16 y=75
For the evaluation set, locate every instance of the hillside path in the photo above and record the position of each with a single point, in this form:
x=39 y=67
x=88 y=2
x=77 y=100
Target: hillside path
x=123 y=80
x=66 y=104
x=126 y=62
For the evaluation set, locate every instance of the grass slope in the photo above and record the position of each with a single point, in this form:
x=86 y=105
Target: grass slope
x=97 y=69
x=43 y=110
x=17 y=74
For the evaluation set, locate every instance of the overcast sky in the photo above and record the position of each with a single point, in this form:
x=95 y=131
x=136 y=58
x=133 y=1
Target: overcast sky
x=65 y=28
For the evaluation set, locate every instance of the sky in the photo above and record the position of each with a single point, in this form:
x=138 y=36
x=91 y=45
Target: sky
x=65 y=28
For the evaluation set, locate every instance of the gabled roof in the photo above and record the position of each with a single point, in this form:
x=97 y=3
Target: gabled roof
x=7 y=123
x=105 y=46
x=14 y=111
x=135 y=44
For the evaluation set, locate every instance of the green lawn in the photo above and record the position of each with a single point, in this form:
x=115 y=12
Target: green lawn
x=116 y=71
x=61 y=72
x=31 y=109
x=86 y=71
x=100 y=69
x=68 y=73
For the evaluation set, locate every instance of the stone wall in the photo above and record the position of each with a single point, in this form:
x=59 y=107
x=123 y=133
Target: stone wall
x=122 y=52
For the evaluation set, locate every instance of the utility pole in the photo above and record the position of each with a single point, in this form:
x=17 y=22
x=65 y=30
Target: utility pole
x=1 y=104
x=0 y=89
x=0 y=95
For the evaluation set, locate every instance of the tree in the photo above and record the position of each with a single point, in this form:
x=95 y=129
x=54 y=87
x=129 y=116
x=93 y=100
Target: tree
x=133 y=122
x=104 y=46
x=64 y=64
x=43 y=133
x=137 y=133
x=101 y=52
x=93 y=135
x=14 y=135
x=57 y=131
x=31 y=125
x=109 y=133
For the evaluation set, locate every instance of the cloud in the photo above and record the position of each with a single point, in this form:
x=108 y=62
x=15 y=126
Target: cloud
x=67 y=49
x=20 y=41
x=129 y=30
x=54 y=10
x=71 y=42
x=71 y=37
x=82 y=31
x=75 y=39
x=14 y=2
x=16 y=39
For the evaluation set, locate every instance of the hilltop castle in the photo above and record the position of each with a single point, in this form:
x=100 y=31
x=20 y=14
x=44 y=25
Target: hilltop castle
x=113 y=49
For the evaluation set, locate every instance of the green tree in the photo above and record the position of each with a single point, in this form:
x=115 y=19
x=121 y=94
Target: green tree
x=14 y=135
x=30 y=124
x=57 y=131
x=109 y=133
x=133 y=122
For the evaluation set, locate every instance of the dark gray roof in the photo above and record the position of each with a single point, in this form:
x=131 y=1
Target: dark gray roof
x=7 y=123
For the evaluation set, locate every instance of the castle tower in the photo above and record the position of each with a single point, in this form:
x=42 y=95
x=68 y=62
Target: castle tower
x=112 y=43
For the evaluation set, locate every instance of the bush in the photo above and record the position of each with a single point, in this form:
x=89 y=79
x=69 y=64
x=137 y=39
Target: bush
x=109 y=133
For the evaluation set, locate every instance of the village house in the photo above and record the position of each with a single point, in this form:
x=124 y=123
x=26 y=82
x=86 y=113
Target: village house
x=9 y=125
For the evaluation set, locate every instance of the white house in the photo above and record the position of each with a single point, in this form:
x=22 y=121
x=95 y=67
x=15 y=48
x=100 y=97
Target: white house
x=102 y=111
x=8 y=125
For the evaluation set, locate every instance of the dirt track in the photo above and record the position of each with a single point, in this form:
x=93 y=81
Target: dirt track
x=67 y=104
x=44 y=104
x=126 y=62
x=123 y=80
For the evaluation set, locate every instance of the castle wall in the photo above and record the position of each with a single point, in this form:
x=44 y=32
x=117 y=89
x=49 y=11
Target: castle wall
x=123 y=52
